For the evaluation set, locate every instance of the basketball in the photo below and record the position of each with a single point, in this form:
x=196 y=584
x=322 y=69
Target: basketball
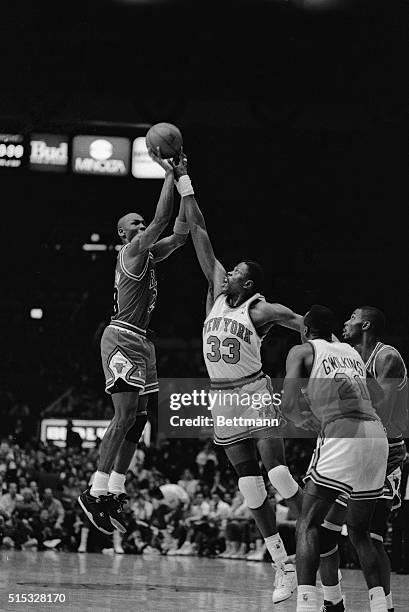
x=165 y=136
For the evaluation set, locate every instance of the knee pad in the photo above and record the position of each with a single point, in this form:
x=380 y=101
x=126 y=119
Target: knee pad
x=328 y=538
x=282 y=481
x=134 y=434
x=253 y=490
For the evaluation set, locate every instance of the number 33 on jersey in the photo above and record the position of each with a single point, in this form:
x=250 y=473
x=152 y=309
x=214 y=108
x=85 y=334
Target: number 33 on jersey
x=231 y=345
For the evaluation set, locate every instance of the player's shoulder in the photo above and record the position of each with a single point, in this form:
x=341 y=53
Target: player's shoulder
x=389 y=358
x=300 y=351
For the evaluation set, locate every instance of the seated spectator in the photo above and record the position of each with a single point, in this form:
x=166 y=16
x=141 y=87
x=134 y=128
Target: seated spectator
x=237 y=529
x=8 y=501
x=188 y=483
x=27 y=508
x=55 y=509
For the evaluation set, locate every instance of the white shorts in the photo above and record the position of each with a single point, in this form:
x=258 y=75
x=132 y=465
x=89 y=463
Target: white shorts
x=354 y=462
x=245 y=412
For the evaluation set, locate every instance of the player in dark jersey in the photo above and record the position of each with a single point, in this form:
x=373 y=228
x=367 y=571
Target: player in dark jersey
x=387 y=383
x=128 y=355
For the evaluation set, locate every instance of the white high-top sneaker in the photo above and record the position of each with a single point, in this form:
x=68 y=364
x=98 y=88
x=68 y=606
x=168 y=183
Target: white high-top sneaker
x=285 y=582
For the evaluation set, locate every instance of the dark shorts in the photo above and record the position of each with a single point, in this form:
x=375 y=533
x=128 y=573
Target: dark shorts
x=129 y=362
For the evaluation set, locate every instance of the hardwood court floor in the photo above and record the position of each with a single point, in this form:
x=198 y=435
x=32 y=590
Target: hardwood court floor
x=96 y=582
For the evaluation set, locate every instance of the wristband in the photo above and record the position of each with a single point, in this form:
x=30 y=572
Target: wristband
x=181 y=227
x=184 y=186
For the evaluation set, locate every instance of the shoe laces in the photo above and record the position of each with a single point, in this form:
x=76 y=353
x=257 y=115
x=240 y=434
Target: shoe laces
x=279 y=577
x=119 y=500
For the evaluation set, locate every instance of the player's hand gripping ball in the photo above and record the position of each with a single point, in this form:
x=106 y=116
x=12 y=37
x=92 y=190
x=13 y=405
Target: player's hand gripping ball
x=167 y=137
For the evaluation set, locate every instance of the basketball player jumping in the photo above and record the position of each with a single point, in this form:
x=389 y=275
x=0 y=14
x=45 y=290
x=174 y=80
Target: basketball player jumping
x=350 y=456
x=387 y=377
x=238 y=318
x=128 y=355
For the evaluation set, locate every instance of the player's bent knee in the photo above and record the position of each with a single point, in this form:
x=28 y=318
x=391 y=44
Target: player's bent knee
x=328 y=538
x=253 y=490
x=282 y=481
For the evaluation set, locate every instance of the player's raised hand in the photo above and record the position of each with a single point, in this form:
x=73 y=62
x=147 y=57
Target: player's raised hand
x=156 y=156
x=179 y=164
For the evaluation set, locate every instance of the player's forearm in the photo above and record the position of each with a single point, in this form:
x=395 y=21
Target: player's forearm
x=194 y=215
x=164 y=207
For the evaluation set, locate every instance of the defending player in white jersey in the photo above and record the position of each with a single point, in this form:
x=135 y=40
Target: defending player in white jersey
x=388 y=385
x=238 y=317
x=350 y=456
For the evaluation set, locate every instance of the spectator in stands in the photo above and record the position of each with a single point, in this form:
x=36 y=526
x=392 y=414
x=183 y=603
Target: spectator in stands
x=237 y=529
x=28 y=507
x=55 y=509
x=73 y=439
x=188 y=483
x=8 y=501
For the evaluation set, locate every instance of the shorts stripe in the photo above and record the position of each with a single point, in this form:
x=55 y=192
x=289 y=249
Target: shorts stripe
x=375 y=494
x=328 y=482
x=108 y=386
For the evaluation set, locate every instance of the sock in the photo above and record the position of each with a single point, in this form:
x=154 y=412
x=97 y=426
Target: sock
x=332 y=593
x=276 y=548
x=377 y=600
x=116 y=483
x=100 y=484
x=307 y=598
x=389 y=602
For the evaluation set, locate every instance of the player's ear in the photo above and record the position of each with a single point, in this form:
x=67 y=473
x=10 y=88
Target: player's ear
x=121 y=232
x=248 y=284
x=366 y=325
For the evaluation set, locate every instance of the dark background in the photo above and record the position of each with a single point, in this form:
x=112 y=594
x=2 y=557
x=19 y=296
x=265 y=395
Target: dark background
x=296 y=127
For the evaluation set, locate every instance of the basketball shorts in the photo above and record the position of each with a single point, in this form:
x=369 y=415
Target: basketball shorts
x=391 y=489
x=129 y=362
x=245 y=412
x=354 y=462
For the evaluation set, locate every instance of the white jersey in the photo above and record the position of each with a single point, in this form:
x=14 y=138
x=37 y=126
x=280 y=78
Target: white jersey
x=337 y=385
x=231 y=344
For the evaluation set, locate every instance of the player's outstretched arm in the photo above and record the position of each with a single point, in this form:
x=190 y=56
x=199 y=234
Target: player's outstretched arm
x=164 y=247
x=212 y=268
x=265 y=312
x=164 y=208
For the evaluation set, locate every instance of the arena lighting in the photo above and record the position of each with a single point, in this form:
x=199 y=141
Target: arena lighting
x=94 y=247
x=36 y=313
x=95 y=237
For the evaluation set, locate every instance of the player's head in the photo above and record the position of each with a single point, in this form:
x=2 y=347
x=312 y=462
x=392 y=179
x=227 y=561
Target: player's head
x=365 y=320
x=318 y=323
x=246 y=277
x=130 y=225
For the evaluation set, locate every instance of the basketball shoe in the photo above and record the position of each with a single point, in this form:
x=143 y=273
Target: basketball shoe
x=96 y=509
x=115 y=508
x=285 y=582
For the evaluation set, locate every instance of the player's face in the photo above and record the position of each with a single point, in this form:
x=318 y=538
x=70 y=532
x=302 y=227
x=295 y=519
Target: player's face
x=353 y=327
x=234 y=281
x=133 y=225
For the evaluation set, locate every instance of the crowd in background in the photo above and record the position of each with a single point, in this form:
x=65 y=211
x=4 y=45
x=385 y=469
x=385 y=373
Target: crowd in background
x=183 y=500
